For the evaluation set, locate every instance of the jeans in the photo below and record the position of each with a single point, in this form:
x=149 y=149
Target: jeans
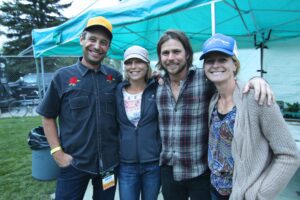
x=139 y=179
x=215 y=195
x=195 y=188
x=72 y=183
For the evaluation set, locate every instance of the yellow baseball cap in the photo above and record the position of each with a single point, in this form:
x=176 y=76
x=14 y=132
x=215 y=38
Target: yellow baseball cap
x=100 y=21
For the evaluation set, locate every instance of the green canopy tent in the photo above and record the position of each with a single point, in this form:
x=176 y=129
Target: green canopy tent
x=253 y=23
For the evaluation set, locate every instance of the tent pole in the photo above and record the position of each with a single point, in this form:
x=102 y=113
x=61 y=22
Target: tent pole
x=261 y=46
x=261 y=70
x=213 y=17
x=38 y=77
x=261 y=59
x=43 y=74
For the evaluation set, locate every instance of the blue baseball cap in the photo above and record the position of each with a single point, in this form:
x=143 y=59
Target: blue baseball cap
x=220 y=43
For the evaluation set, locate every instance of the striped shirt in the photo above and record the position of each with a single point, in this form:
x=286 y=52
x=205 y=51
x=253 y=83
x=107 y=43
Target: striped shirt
x=184 y=125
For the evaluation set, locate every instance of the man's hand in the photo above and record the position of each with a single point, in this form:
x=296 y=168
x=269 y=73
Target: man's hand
x=158 y=76
x=62 y=159
x=262 y=90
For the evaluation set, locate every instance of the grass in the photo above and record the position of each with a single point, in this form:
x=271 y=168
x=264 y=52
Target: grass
x=16 y=181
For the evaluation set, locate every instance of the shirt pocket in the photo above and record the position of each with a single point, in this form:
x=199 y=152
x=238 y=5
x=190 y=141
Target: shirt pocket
x=108 y=105
x=80 y=107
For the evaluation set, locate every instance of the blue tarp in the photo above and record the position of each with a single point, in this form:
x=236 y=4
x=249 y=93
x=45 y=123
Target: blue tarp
x=251 y=22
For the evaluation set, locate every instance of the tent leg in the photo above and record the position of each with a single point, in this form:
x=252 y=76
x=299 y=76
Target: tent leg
x=262 y=60
x=262 y=46
x=213 y=18
x=43 y=76
x=38 y=77
x=261 y=70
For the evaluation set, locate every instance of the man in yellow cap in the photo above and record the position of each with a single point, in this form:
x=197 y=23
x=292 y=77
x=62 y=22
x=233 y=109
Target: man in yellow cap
x=82 y=98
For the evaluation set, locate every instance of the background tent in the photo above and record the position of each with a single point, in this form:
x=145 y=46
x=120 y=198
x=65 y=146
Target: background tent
x=252 y=22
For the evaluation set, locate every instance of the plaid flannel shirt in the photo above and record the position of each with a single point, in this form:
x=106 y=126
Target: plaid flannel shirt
x=184 y=125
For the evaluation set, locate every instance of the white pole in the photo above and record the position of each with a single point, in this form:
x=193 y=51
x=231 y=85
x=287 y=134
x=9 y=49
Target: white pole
x=43 y=76
x=213 y=17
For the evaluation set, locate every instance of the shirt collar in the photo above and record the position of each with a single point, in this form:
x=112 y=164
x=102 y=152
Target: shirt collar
x=84 y=70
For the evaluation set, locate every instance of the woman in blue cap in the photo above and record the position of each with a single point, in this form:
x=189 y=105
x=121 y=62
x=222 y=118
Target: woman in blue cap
x=251 y=153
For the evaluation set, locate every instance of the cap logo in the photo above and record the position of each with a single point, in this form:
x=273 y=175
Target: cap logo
x=220 y=43
x=217 y=40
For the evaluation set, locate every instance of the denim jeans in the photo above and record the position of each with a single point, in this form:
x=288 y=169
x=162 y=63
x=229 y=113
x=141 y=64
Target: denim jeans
x=193 y=189
x=72 y=183
x=139 y=179
x=215 y=195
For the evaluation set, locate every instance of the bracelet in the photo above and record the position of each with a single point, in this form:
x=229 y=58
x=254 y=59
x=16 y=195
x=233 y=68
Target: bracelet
x=55 y=150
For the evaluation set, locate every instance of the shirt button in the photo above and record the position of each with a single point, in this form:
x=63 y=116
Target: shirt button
x=175 y=110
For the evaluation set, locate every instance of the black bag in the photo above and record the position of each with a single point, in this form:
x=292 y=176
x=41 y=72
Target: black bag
x=37 y=139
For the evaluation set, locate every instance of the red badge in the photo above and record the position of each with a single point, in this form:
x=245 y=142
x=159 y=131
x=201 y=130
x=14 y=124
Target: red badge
x=73 y=81
x=109 y=78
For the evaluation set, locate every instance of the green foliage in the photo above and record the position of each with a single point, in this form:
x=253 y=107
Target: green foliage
x=295 y=107
x=16 y=181
x=53 y=63
x=19 y=18
x=116 y=64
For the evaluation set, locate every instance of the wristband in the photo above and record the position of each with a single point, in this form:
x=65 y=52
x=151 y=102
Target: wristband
x=55 y=150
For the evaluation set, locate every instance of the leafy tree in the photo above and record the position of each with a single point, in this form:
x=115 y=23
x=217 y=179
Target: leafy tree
x=295 y=107
x=20 y=17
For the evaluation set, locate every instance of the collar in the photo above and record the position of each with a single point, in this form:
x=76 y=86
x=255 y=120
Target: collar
x=84 y=69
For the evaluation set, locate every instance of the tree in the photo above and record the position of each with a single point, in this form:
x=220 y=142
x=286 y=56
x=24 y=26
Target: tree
x=20 y=17
x=295 y=107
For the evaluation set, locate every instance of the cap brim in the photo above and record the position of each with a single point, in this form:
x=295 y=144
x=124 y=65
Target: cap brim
x=100 y=27
x=134 y=55
x=216 y=50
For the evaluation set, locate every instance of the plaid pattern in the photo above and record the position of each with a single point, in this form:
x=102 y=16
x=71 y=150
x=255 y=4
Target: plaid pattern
x=184 y=125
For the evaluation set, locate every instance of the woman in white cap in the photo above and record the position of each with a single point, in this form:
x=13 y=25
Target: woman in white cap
x=251 y=153
x=140 y=144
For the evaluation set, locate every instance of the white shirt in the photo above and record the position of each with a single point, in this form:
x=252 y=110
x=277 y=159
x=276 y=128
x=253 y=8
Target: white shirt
x=132 y=103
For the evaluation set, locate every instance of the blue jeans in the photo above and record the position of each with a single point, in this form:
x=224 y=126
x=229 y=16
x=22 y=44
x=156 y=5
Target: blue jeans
x=139 y=179
x=193 y=189
x=215 y=195
x=72 y=183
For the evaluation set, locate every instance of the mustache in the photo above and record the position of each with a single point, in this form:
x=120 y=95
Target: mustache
x=172 y=62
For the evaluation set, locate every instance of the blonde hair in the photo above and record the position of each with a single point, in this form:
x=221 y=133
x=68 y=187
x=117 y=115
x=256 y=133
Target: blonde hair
x=149 y=73
x=237 y=64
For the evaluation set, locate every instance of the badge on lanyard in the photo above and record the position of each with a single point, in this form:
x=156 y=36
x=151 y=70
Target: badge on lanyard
x=108 y=180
